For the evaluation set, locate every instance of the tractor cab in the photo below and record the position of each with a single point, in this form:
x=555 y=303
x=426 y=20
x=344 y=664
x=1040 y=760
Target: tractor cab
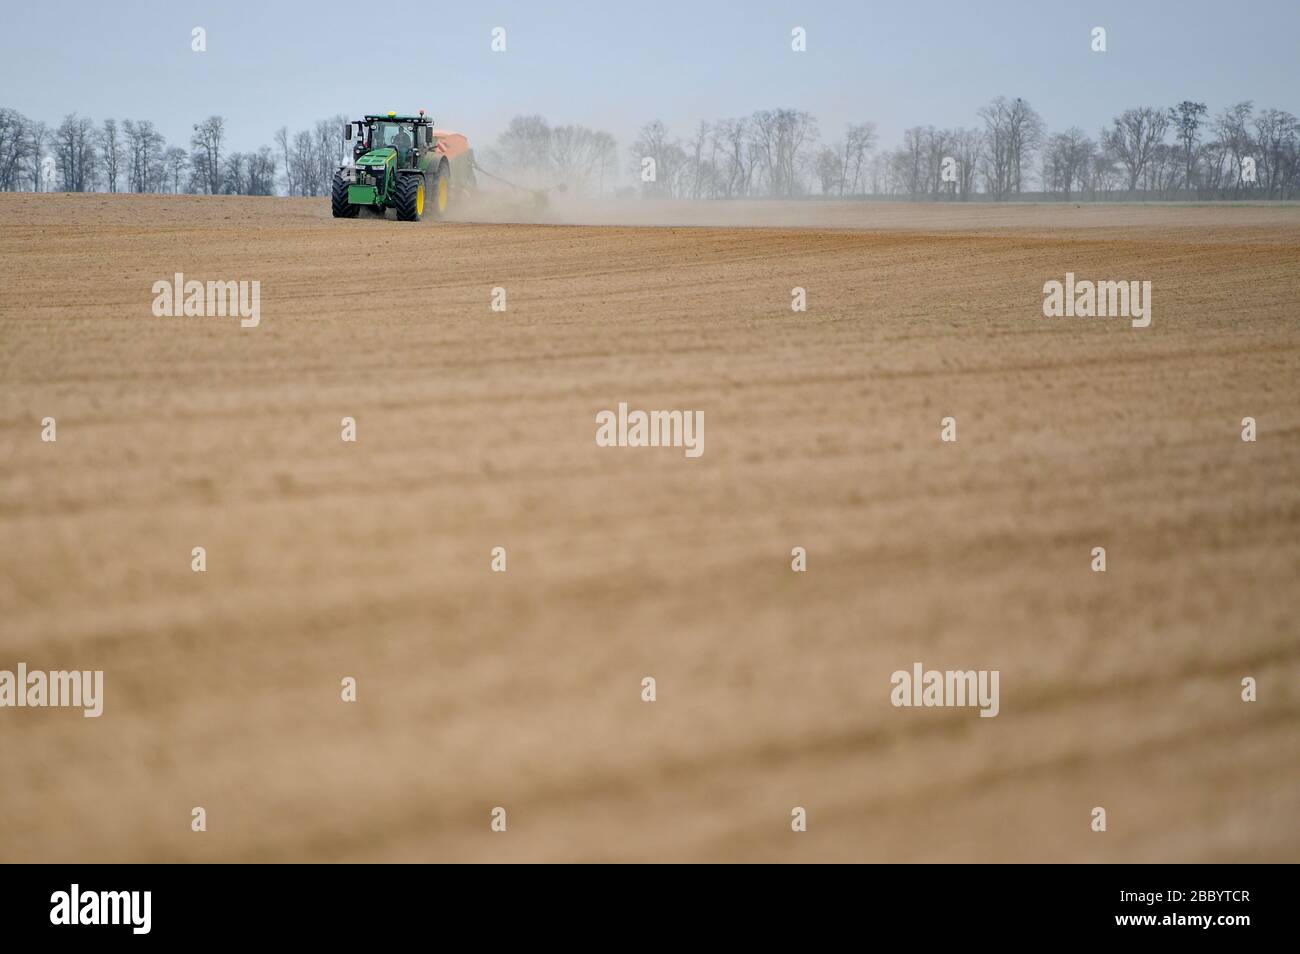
x=408 y=137
x=398 y=136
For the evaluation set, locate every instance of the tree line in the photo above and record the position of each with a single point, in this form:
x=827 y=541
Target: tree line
x=80 y=155
x=1148 y=152
x=1178 y=152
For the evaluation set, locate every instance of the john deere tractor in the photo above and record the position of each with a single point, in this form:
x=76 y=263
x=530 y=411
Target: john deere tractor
x=402 y=163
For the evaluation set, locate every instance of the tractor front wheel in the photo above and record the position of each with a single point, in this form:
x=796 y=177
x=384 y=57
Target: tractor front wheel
x=339 y=204
x=410 y=199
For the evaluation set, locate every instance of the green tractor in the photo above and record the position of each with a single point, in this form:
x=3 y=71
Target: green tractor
x=402 y=163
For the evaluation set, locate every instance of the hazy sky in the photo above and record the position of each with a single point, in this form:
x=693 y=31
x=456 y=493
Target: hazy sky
x=618 y=64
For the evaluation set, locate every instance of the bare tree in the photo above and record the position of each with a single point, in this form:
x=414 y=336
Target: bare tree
x=303 y=164
x=859 y=139
x=1067 y=159
x=330 y=150
x=1187 y=118
x=737 y=165
x=669 y=159
x=144 y=148
x=110 y=151
x=234 y=176
x=175 y=163
x=910 y=162
x=967 y=146
x=1232 y=132
x=580 y=157
x=1104 y=175
x=14 y=145
x=74 y=153
x=291 y=186
x=208 y=138
x=938 y=146
x=1133 y=137
x=781 y=135
x=1276 y=134
x=38 y=136
x=697 y=176
x=261 y=171
x=1013 y=131
x=829 y=168
x=711 y=175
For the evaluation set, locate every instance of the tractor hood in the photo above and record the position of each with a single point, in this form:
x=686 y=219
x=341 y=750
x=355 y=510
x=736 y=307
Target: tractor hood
x=377 y=157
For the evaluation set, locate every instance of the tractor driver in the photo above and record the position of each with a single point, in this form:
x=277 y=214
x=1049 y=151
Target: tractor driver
x=402 y=142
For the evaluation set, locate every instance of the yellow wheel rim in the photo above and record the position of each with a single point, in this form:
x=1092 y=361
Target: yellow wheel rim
x=442 y=193
x=419 y=200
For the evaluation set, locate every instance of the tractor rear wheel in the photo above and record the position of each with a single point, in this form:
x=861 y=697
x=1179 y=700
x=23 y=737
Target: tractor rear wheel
x=440 y=191
x=339 y=204
x=410 y=199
